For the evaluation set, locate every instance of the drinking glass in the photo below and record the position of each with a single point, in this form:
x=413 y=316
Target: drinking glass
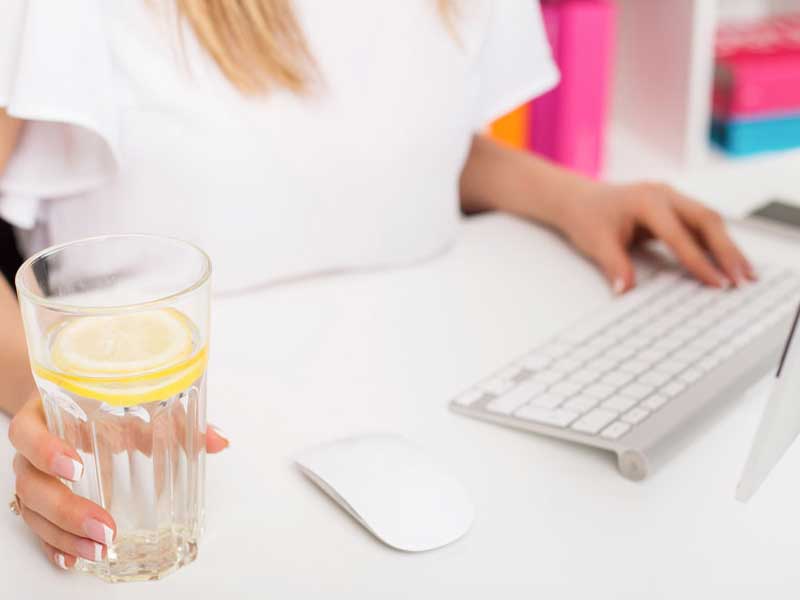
x=117 y=332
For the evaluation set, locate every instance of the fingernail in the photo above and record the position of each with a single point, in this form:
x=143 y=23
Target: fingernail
x=67 y=467
x=98 y=531
x=723 y=282
x=221 y=434
x=618 y=286
x=61 y=561
x=89 y=550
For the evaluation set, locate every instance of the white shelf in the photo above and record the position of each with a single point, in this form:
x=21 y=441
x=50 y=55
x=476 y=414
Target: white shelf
x=731 y=185
x=663 y=76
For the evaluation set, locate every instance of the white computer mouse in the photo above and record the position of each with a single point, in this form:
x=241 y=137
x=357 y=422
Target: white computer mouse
x=395 y=490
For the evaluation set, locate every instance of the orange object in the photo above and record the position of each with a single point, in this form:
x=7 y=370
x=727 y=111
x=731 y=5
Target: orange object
x=512 y=129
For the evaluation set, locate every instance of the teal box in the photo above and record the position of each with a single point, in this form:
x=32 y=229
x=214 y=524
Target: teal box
x=742 y=137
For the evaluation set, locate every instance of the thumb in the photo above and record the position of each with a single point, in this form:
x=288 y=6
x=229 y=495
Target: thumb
x=215 y=440
x=612 y=258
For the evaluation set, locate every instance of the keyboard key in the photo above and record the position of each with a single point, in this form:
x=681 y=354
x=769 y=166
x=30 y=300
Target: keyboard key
x=615 y=430
x=511 y=373
x=690 y=375
x=708 y=363
x=655 y=378
x=548 y=376
x=638 y=341
x=634 y=366
x=601 y=391
x=497 y=386
x=704 y=343
x=565 y=388
x=635 y=415
x=580 y=403
x=672 y=389
x=671 y=366
x=584 y=376
x=701 y=321
x=556 y=349
x=547 y=400
x=657 y=328
x=684 y=333
x=725 y=351
x=604 y=341
x=619 y=403
x=619 y=352
x=654 y=402
x=669 y=343
x=594 y=421
x=566 y=364
x=469 y=397
x=535 y=361
x=690 y=354
x=617 y=378
x=601 y=364
x=740 y=340
x=519 y=396
x=636 y=390
x=585 y=353
x=653 y=354
x=556 y=417
x=623 y=329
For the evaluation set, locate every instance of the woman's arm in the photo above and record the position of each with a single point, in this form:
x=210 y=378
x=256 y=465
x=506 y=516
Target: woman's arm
x=601 y=219
x=15 y=373
x=9 y=133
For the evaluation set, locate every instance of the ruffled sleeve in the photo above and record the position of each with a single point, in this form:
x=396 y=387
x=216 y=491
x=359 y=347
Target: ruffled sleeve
x=55 y=74
x=515 y=62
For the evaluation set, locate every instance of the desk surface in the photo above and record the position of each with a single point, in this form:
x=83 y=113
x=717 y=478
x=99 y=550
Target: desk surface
x=296 y=365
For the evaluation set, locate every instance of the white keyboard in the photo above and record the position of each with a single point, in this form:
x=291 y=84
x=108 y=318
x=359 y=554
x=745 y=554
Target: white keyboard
x=632 y=374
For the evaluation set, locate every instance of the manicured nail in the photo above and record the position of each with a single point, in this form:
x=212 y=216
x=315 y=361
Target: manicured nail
x=89 y=550
x=221 y=434
x=618 y=286
x=67 y=467
x=98 y=531
x=61 y=561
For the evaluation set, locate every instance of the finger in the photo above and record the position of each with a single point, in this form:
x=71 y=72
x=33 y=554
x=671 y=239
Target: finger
x=61 y=540
x=55 y=502
x=57 y=557
x=710 y=226
x=661 y=219
x=612 y=257
x=215 y=440
x=29 y=435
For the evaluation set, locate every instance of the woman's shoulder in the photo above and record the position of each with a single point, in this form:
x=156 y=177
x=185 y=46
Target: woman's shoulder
x=56 y=74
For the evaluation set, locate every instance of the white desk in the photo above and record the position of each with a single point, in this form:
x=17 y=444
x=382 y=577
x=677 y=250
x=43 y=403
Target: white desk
x=296 y=365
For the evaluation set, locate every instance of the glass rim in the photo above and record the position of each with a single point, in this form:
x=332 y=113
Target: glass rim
x=39 y=300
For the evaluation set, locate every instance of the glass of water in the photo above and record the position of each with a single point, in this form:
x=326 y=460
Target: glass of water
x=117 y=332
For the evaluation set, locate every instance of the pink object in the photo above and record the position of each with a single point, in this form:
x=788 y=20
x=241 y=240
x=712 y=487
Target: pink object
x=758 y=68
x=569 y=122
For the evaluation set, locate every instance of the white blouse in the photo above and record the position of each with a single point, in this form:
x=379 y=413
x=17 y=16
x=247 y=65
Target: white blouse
x=131 y=129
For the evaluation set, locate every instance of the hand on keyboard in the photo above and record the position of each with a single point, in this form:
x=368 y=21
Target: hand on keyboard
x=640 y=360
x=607 y=219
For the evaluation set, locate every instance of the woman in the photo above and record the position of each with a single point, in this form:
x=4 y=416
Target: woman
x=286 y=138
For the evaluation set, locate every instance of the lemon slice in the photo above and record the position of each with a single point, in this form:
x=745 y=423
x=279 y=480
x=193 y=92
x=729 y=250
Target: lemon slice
x=122 y=344
x=126 y=359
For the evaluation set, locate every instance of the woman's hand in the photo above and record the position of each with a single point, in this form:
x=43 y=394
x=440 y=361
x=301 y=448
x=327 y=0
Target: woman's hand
x=68 y=525
x=602 y=220
x=605 y=220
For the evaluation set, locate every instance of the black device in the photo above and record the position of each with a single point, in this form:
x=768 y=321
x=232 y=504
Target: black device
x=776 y=217
x=779 y=212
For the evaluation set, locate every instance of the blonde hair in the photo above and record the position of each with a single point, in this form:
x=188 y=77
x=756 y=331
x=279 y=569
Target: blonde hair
x=258 y=44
